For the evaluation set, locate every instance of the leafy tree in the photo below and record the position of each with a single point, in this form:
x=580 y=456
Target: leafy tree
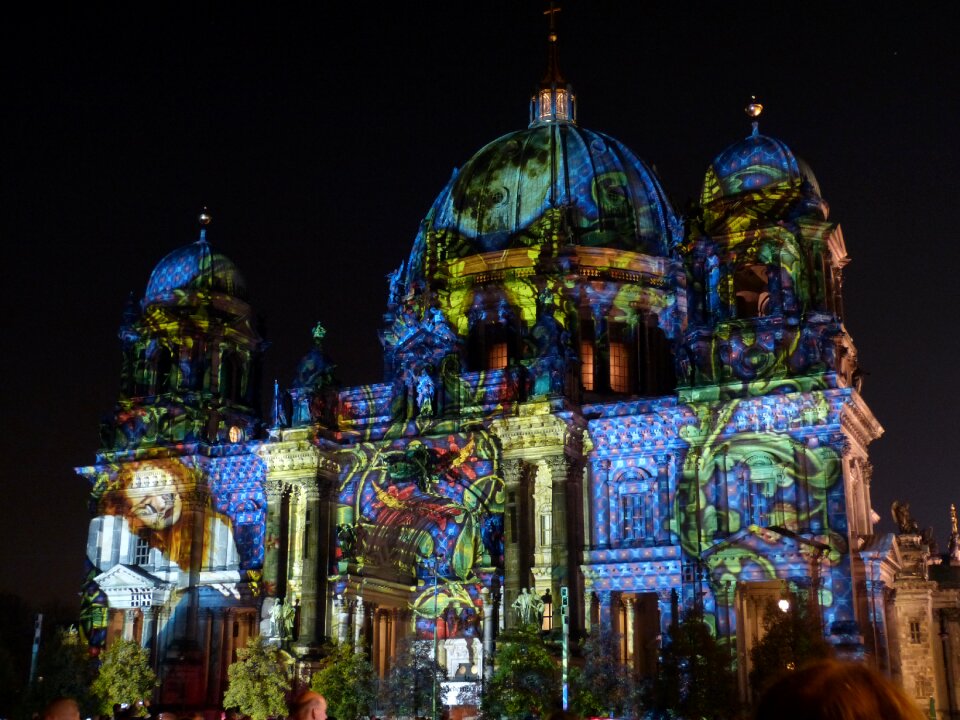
x=346 y=679
x=125 y=676
x=695 y=678
x=790 y=640
x=526 y=679
x=259 y=681
x=603 y=685
x=408 y=687
x=64 y=669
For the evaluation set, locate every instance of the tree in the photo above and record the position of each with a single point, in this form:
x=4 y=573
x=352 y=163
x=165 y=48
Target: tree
x=408 y=687
x=259 y=681
x=790 y=640
x=603 y=685
x=64 y=669
x=526 y=679
x=125 y=676
x=695 y=678
x=346 y=679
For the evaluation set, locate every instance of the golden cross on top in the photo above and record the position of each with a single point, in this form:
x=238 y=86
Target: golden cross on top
x=552 y=12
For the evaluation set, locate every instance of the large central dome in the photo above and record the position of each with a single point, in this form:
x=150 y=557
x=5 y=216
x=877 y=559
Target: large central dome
x=500 y=198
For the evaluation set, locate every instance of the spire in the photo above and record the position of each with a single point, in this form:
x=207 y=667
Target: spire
x=205 y=257
x=204 y=220
x=554 y=100
x=753 y=110
x=954 y=547
x=553 y=76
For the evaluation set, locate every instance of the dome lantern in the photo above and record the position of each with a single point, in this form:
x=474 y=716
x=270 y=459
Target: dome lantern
x=554 y=101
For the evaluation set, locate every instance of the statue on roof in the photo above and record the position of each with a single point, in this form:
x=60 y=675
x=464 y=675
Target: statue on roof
x=906 y=525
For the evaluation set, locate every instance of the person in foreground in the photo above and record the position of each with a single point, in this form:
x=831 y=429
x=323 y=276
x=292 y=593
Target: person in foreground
x=308 y=705
x=834 y=690
x=63 y=708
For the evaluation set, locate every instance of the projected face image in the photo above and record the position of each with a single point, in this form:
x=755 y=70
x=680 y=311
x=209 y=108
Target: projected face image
x=162 y=506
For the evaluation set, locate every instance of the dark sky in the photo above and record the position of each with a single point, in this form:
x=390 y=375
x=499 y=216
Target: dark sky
x=319 y=142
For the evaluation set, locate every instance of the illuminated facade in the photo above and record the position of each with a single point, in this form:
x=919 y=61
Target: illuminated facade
x=583 y=390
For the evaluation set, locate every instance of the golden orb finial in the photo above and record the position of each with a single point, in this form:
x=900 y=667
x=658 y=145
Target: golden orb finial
x=753 y=108
x=205 y=217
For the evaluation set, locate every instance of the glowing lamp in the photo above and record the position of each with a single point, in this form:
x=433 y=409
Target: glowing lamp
x=783 y=604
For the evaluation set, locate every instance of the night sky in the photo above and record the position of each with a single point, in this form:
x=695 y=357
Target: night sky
x=320 y=141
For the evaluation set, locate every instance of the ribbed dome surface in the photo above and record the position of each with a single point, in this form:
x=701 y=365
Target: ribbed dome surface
x=751 y=164
x=501 y=195
x=195 y=267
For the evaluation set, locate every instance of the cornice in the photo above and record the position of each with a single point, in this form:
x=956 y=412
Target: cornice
x=535 y=433
x=859 y=423
x=294 y=457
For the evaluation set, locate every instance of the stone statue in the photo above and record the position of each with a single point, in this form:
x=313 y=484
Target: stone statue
x=281 y=619
x=396 y=285
x=523 y=605
x=536 y=606
x=906 y=525
x=425 y=393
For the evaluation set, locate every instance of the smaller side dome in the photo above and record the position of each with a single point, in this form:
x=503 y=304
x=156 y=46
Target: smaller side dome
x=195 y=267
x=754 y=163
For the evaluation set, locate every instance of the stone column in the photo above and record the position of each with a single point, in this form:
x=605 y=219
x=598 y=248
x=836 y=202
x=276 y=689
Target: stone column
x=271 y=555
x=195 y=505
x=129 y=620
x=514 y=578
x=487 y=633
x=147 y=638
x=603 y=505
x=604 y=596
x=376 y=643
x=587 y=604
x=342 y=611
x=215 y=687
x=358 y=625
x=308 y=585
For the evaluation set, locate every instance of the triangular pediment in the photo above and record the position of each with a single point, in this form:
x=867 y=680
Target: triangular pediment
x=756 y=550
x=126 y=577
x=127 y=586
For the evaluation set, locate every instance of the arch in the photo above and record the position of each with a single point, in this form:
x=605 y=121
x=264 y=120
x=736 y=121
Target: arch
x=758 y=479
x=634 y=510
x=164 y=370
x=232 y=368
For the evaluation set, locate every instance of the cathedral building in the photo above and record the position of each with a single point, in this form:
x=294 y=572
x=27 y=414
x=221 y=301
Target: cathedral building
x=590 y=403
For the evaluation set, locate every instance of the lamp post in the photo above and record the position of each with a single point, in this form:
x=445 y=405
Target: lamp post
x=436 y=619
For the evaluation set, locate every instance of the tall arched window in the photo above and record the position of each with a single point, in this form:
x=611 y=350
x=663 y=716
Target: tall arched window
x=164 y=373
x=759 y=480
x=231 y=376
x=637 y=510
x=490 y=346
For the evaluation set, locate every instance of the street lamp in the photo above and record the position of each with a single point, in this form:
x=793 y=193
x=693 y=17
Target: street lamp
x=436 y=619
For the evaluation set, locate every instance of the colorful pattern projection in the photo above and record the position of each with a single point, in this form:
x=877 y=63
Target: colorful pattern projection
x=424 y=508
x=740 y=490
x=194 y=267
x=751 y=164
x=504 y=192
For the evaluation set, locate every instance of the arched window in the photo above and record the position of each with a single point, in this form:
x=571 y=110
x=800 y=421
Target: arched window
x=497 y=356
x=759 y=481
x=164 y=371
x=637 y=510
x=621 y=356
x=586 y=364
x=490 y=346
x=231 y=377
